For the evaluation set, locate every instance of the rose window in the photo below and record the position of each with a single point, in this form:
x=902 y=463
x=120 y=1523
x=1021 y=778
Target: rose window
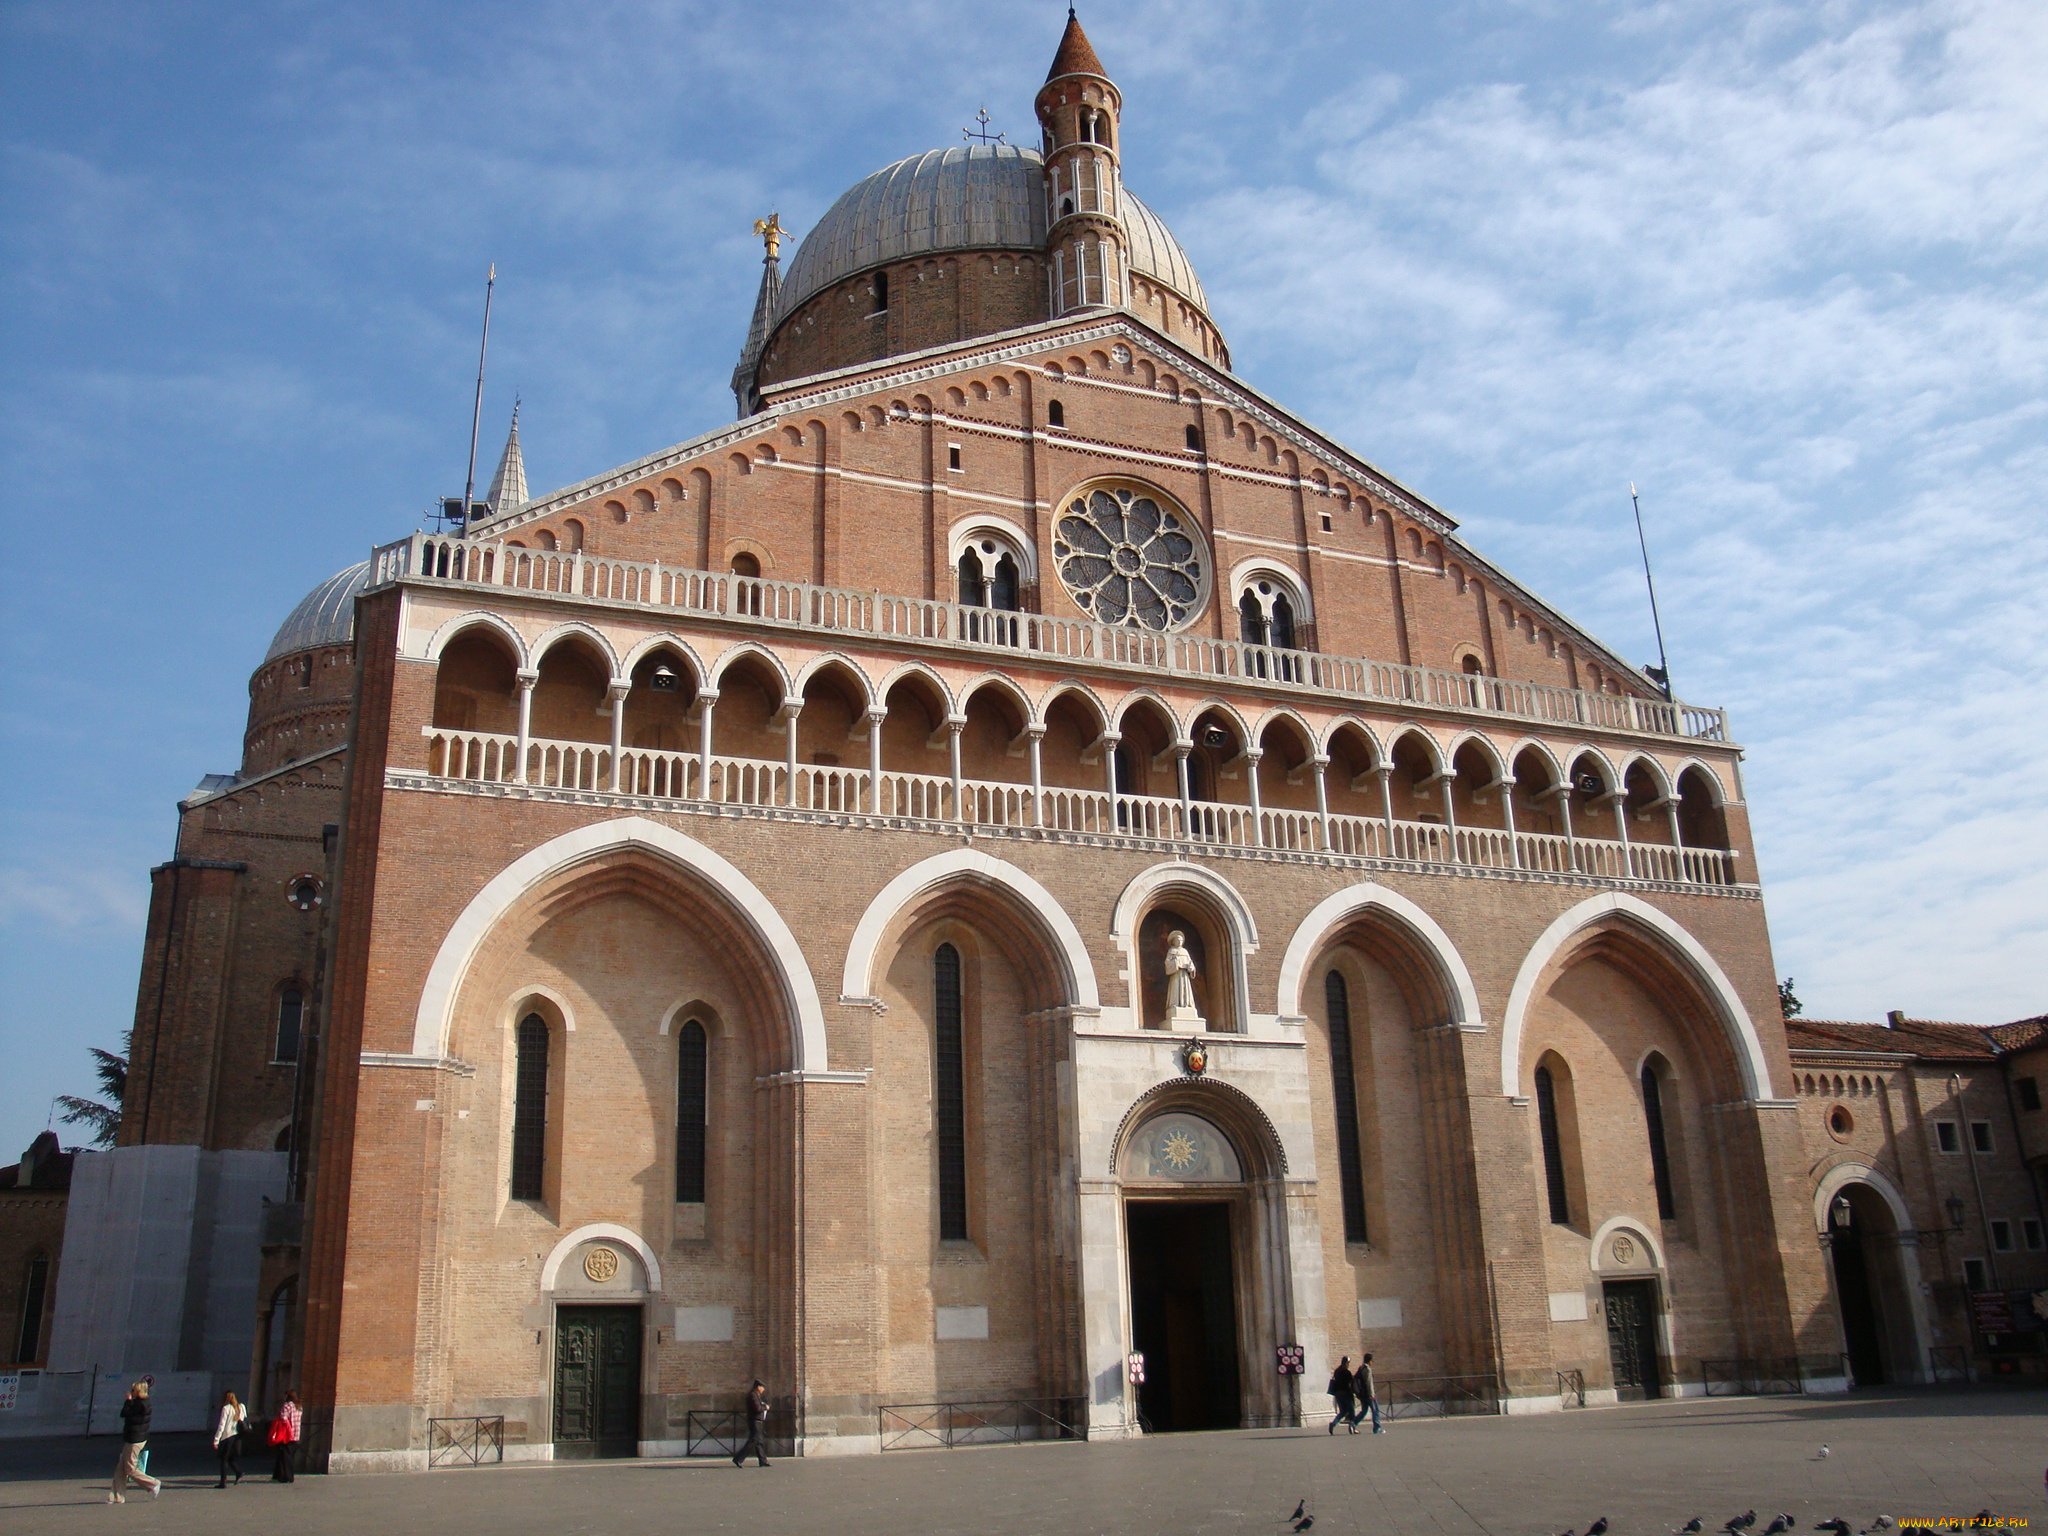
x=1128 y=559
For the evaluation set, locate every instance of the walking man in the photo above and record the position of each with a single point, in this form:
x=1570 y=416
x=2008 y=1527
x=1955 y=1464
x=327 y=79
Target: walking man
x=1368 y=1396
x=1342 y=1389
x=134 y=1436
x=757 y=1424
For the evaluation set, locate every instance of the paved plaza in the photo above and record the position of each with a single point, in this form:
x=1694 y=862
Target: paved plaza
x=1647 y=1467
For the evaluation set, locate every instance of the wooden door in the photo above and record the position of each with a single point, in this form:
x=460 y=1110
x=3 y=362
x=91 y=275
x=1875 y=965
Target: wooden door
x=597 y=1381
x=1631 y=1307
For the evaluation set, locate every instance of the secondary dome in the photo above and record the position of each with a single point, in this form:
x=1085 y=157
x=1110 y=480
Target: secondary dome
x=325 y=616
x=971 y=197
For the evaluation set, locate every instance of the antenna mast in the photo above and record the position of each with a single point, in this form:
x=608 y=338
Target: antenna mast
x=477 y=414
x=1663 y=675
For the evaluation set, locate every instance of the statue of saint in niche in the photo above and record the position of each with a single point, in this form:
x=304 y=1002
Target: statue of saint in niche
x=1179 y=966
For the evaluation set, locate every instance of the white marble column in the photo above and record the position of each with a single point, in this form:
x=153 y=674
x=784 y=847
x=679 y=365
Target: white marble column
x=527 y=678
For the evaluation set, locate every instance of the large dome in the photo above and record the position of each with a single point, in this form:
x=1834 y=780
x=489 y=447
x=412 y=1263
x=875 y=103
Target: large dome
x=325 y=616
x=972 y=197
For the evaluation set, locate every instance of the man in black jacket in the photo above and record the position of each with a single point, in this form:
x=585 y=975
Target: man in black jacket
x=1342 y=1390
x=757 y=1424
x=134 y=1436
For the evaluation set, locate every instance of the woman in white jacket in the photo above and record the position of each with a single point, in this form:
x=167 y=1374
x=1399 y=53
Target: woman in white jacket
x=227 y=1437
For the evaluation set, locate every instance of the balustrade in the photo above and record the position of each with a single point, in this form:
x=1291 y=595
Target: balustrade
x=483 y=757
x=800 y=605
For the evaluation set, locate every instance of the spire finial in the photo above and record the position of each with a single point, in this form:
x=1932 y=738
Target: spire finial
x=771 y=232
x=508 y=485
x=981 y=132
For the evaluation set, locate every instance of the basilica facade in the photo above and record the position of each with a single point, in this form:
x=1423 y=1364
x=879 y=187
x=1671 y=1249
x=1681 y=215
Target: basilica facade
x=1018 y=874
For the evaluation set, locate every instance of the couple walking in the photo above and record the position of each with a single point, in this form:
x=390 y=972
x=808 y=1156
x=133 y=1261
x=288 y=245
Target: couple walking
x=1354 y=1394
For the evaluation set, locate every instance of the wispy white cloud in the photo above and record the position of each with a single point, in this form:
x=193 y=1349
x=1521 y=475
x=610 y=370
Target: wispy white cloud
x=1792 y=282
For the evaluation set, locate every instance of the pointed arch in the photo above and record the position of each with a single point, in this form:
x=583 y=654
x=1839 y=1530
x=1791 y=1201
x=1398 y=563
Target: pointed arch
x=791 y=973
x=463 y=623
x=1357 y=729
x=1668 y=938
x=570 y=632
x=1717 y=791
x=1091 y=702
x=917 y=669
x=1481 y=743
x=1660 y=779
x=837 y=662
x=746 y=649
x=857 y=979
x=1138 y=697
x=1456 y=998
x=1007 y=687
x=652 y=643
x=1407 y=731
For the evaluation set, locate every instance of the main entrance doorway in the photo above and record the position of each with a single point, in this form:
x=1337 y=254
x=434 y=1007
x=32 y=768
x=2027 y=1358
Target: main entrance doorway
x=597 y=1382
x=1184 y=1313
x=1631 y=1307
x=1858 y=1223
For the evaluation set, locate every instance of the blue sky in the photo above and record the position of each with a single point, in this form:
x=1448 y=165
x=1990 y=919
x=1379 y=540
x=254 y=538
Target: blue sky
x=1782 y=266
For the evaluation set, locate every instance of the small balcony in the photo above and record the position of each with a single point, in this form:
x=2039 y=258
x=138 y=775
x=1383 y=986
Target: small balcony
x=1005 y=637
x=937 y=800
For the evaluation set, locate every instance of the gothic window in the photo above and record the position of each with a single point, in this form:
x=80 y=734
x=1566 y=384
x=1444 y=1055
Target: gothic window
x=1553 y=1149
x=1343 y=1082
x=881 y=291
x=1129 y=557
x=291 y=1013
x=530 y=1109
x=951 y=1094
x=1194 y=439
x=34 y=1293
x=1660 y=1155
x=691 y=1060
x=988 y=576
x=1265 y=613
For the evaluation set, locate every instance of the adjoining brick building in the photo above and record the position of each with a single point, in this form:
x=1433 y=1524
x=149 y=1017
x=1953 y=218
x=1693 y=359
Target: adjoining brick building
x=722 y=919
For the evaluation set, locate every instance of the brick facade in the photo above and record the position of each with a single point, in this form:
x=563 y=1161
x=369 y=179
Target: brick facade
x=710 y=739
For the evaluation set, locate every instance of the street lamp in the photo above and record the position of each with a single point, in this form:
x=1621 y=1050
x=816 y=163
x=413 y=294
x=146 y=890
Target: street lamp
x=1955 y=1212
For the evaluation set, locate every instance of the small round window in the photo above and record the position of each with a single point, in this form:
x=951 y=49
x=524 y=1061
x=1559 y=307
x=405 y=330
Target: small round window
x=305 y=892
x=1840 y=1121
x=1130 y=556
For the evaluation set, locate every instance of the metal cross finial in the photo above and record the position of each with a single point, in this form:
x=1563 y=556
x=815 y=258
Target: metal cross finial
x=771 y=232
x=982 y=133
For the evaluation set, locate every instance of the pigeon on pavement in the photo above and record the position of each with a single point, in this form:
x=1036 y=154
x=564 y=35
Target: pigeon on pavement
x=1598 y=1527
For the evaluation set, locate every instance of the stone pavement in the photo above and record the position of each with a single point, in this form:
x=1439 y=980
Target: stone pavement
x=1647 y=1467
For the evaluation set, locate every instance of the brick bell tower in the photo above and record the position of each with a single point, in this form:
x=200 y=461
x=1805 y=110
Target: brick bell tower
x=1080 y=111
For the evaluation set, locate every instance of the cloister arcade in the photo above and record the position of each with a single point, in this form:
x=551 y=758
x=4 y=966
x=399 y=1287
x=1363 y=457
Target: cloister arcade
x=751 y=726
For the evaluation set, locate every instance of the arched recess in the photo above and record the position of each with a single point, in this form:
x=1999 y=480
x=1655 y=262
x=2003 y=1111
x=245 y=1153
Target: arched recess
x=1230 y=1109
x=607 y=1231
x=474 y=620
x=752 y=912
x=1452 y=999
x=1213 y=897
x=1632 y=916
x=1075 y=981
x=1894 y=1278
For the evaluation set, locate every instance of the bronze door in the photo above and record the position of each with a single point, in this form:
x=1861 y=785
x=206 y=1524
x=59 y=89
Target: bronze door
x=1632 y=1337
x=597 y=1381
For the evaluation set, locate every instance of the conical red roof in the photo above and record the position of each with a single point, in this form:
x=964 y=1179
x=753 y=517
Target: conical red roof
x=1076 y=55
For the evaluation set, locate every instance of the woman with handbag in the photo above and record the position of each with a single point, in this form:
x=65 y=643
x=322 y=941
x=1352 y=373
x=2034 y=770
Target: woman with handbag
x=284 y=1439
x=227 y=1437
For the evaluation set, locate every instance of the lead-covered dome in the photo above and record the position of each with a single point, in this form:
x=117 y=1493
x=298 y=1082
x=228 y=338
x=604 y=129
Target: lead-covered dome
x=325 y=616
x=972 y=197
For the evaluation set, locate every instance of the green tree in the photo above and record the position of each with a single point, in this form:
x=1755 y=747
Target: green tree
x=102 y=1119
x=1788 y=1000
